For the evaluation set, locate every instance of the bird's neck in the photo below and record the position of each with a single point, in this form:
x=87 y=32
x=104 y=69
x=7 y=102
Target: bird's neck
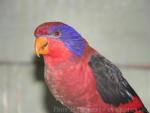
x=62 y=54
x=57 y=57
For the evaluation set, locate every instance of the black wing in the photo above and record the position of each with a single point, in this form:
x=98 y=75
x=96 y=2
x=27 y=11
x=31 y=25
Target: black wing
x=111 y=85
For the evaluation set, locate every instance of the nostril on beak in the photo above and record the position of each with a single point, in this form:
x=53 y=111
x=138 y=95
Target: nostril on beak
x=45 y=45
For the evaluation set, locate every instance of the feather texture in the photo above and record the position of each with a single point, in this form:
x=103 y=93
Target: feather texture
x=81 y=78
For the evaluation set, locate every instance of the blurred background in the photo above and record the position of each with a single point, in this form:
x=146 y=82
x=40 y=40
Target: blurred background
x=118 y=29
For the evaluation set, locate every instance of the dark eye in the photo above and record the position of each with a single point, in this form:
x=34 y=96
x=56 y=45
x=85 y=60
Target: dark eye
x=57 y=33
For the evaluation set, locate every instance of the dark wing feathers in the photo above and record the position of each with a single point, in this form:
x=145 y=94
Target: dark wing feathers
x=113 y=88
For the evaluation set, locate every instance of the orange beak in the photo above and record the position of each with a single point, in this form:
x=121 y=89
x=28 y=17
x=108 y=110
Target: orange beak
x=41 y=46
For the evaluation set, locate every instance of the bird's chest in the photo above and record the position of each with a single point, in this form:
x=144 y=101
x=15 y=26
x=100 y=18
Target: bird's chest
x=66 y=82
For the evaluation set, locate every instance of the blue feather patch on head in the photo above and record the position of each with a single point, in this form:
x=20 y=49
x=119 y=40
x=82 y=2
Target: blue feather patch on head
x=71 y=38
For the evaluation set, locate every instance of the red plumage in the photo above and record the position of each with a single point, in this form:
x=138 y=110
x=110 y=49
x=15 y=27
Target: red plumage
x=73 y=81
x=69 y=85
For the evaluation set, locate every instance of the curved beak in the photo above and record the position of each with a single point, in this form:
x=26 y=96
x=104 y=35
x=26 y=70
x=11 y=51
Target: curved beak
x=41 y=46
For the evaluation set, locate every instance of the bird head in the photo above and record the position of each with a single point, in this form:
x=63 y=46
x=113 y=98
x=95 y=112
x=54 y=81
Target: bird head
x=58 y=40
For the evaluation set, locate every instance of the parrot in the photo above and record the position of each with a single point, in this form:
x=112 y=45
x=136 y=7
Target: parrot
x=79 y=77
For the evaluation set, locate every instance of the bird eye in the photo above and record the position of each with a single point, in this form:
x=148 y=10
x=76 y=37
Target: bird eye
x=57 y=33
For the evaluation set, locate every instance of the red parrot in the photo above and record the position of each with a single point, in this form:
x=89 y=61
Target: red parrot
x=81 y=78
